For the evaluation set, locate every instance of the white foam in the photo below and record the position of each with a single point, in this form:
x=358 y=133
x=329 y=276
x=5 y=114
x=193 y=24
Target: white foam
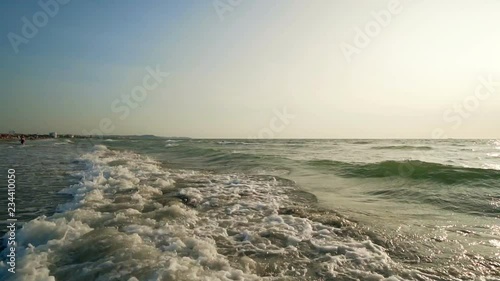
x=495 y=243
x=101 y=147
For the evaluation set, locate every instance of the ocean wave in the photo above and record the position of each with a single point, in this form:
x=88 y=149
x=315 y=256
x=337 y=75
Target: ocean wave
x=63 y=143
x=403 y=147
x=219 y=156
x=413 y=169
x=163 y=224
x=100 y=147
x=234 y=143
x=173 y=140
x=194 y=151
x=361 y=142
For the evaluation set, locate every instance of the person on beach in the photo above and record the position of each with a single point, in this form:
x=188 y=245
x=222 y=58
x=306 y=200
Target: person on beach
x=23 y=139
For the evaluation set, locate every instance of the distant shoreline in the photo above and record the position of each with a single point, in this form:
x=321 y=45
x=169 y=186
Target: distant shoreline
x=17 y=137
x=70 y=136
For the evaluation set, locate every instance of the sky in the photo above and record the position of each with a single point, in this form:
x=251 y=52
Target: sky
x=252 y=69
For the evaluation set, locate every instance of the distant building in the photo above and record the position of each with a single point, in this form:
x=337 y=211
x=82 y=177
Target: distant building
x=53 y=135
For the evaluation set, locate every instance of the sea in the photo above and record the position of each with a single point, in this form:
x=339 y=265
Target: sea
x=135 y=208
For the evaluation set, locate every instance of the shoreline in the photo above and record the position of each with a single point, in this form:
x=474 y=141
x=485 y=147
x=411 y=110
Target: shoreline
x=27 y=139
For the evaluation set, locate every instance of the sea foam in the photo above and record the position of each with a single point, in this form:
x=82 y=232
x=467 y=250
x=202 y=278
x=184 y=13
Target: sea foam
x=139 y=221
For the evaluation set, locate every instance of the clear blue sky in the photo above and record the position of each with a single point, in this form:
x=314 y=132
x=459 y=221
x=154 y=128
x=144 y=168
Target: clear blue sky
x=231 y=70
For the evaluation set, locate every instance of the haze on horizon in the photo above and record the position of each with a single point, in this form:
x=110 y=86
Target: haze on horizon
x=230 y=68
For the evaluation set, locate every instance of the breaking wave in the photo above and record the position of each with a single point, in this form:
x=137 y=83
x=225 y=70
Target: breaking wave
x=414 y=169
x=403 y=147
x=131 y=219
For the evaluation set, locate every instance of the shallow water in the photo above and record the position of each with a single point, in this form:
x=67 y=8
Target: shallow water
x=136 y=209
